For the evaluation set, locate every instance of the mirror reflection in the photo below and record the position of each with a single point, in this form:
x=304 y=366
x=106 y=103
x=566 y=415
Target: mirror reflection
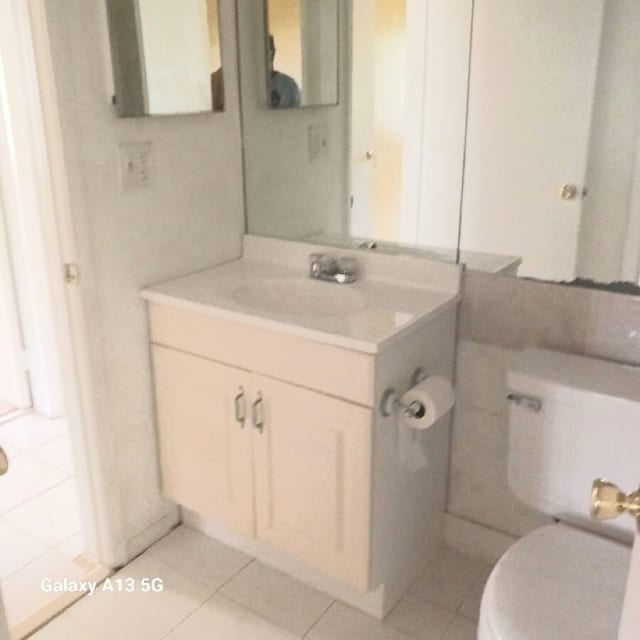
x=166 y=56
x=502 y=133
x=535 y=167
x=302 y=53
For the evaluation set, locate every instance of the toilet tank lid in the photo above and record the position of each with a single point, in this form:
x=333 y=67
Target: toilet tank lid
x=579 y=372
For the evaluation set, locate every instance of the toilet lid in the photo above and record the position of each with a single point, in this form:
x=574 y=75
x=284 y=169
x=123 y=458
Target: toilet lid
x=557 y=582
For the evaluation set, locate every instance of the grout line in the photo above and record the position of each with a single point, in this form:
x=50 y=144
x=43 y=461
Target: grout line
x=36 y=495
x=315 y=624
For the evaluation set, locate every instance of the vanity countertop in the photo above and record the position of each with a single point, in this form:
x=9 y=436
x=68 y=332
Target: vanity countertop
x=366 y=316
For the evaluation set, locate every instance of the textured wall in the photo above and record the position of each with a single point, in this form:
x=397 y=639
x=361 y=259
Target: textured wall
x=288 y=194
x=499 y=317
x=190 y=217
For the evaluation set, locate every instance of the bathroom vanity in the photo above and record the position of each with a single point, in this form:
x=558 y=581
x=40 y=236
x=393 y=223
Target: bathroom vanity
x=267 y=391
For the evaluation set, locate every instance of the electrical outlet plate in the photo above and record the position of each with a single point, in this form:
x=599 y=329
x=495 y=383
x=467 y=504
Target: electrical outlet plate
x=135 y=165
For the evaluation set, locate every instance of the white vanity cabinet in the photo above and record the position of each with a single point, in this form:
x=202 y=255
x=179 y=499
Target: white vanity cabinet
x=271 y=439
x=286 y=464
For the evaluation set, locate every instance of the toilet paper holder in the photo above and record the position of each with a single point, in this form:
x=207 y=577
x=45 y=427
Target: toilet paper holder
x=390 y=401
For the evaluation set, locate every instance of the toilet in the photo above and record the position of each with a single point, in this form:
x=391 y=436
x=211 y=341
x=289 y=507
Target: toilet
x=571 y=420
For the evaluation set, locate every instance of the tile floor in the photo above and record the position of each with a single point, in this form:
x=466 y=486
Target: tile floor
x=213 y=592
x=5 y=409
x=40 y=525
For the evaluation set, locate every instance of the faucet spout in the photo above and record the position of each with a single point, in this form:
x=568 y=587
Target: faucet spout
x=341 y=270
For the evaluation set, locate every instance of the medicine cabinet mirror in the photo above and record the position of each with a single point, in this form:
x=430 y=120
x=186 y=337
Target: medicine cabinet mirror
x=166 y=56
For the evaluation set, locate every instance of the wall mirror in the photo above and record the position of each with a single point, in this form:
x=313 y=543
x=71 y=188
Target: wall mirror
x=540 y=173
x=504 y=134
x=302 y=53
x=166 y=56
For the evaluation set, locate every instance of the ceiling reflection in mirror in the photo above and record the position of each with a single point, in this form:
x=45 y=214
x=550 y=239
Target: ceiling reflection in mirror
x=166 y=56
x=302 y=53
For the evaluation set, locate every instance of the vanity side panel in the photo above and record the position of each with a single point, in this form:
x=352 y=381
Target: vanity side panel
x=409 y=507
x=325 y=368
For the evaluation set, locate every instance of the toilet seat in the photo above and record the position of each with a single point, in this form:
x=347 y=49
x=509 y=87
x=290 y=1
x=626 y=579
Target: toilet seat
x=557 y=582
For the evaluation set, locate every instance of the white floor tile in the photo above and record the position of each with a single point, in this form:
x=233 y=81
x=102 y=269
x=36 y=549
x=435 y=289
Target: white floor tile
x=29 y=431
x=11 y=450
x=122 y=615
x=461 y=629
x=343 y=623
x=17 y=549
x=57 y=453
x=199 y=556
x=449 y=579
x=419 y=618
x=51 y=517
x=288 y=603
x=72 y=547
x=65 y=628
x=224 y=619
x=22 y=591
x=470 y=607
x=27 y=477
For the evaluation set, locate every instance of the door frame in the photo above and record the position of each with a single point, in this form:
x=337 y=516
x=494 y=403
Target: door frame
x=29 y=106
x=631 y=253
x=16 y=391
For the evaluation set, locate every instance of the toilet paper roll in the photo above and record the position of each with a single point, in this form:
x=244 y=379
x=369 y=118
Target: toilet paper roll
x=436 y=396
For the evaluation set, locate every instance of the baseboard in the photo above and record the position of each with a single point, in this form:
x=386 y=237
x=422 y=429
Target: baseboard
x=372 y=603
x=475 y=539
x=151 y=534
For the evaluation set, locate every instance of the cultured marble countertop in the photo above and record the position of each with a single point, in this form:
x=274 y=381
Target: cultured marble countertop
x=365 y=316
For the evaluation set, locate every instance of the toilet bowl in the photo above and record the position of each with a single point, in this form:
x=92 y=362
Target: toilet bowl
x=572 y=419
x=559 y=582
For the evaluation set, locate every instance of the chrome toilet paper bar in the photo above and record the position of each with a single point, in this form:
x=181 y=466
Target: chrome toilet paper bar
x=390 y=402
x=528 y=402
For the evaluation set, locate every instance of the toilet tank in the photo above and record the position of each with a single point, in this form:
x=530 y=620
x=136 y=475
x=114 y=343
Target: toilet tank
x=587 y=426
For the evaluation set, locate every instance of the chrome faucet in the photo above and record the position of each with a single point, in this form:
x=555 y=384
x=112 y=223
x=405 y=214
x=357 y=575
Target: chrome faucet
x=332 y=269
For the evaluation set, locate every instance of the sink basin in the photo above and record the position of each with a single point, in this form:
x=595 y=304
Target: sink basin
x=298 y=297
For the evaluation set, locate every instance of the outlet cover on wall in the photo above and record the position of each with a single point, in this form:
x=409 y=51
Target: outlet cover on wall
x=135 y=164
x=318 y=141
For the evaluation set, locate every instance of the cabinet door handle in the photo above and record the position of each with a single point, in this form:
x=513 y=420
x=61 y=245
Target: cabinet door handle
x=256 y=411
x=239 y=404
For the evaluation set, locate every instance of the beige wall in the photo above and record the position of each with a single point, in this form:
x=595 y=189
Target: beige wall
x=499 y=317
x=390 y=82
x=190 y=217
x=289 y=194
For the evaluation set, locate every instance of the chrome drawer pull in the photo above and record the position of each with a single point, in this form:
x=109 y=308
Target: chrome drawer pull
x=239 y=404
x=256 y=410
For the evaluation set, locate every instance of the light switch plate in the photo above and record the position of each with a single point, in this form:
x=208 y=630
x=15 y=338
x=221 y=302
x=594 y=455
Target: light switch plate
x=135 y=165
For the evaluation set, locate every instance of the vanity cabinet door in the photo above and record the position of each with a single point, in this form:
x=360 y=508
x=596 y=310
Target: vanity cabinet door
x=205 y=451
x=313 y=478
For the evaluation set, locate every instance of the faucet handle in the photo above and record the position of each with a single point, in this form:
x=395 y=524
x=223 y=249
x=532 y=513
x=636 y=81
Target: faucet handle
x=347 y=264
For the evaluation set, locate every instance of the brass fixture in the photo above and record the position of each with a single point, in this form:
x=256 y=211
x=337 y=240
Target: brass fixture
x=72 y=274
x=4 y=462
x=608 y=501
x=569 y=192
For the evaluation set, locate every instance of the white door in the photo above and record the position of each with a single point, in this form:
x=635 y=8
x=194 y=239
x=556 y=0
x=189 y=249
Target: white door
x=630 y=624
x=14 y=382
x=312 y=478
x=532 y=85
x=4 y=626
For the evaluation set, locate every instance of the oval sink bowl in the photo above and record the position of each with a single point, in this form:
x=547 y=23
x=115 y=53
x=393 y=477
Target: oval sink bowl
x=299 y=297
